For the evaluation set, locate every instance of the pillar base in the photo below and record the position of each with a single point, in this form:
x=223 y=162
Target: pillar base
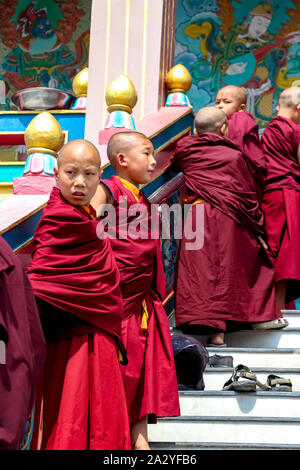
x=33 y=184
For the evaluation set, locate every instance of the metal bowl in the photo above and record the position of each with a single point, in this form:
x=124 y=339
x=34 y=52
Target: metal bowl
x=41 y=98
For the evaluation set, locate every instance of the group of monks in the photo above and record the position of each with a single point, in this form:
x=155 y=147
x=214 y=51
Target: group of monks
x=97 y=347
x=249 y=267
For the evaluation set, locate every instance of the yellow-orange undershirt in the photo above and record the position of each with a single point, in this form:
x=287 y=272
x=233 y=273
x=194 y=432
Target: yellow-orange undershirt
x=91 y=212
x=135 y=191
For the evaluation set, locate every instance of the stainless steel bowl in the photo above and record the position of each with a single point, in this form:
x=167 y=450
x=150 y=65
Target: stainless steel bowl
x=41 y=98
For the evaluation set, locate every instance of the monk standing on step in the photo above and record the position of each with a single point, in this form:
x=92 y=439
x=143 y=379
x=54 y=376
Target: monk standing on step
x=281 y=201
x=228 y=281
x=76 y=283
x=243 y=131
x=150 y=380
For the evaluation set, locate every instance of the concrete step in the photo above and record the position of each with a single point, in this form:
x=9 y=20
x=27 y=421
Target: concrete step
x=288 y=337
x=269 y=358
x=255 y=404
x=293 y=317
x=230 y=429
x=215 y=377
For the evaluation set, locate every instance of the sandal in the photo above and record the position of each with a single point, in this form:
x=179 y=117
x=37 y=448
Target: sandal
x=271 y=325
x=243 y=380
x=278 y=384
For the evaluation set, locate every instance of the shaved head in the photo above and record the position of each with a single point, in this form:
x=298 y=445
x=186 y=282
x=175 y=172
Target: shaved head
x=236 y=91
x=231 y=99
x=289 y=97
x=122 y=142
x=210 y=119
x=76 y=147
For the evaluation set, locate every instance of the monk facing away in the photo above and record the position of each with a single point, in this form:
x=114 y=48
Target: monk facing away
x=243 y=130
x=228 y=282
x=150 y=380
x=76 y=283
x=281 y=201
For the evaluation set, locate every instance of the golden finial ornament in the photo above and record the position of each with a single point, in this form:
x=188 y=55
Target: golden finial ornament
x=121 y=95
x=80 y=82
x=178 y=79
x=44 y=134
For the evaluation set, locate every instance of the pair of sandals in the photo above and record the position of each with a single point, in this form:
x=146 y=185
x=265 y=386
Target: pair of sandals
x=244 y=380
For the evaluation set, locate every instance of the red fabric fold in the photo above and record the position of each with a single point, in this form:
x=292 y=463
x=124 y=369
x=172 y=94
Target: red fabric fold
x=73 y=269
x=243 y=131
x=280 y=143
x=25 y=349
x=216 y=170
x=150 y=377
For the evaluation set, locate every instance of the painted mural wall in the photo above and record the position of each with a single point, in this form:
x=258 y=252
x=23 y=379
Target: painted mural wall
x=250 y=43
x=42 y=43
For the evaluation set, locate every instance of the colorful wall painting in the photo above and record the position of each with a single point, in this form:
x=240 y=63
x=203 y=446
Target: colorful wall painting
x=42 y=43
x=250 y=43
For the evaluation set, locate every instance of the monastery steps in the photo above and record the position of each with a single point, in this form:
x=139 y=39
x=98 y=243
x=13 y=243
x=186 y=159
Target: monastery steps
x=226 y=420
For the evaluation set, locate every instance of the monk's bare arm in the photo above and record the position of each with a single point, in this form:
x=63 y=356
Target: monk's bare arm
x=102 y=196
x=298 y=155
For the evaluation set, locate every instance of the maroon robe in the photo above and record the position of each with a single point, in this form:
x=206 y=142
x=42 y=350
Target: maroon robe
x=229 y=280
x=75 y=271
x=150 y=377
x=243 y=131
x=76 y=281
x=281 y=201
x=21 y=330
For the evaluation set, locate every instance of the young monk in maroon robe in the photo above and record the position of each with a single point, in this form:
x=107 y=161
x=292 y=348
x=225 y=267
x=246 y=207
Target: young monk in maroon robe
x=22 y=352
x=76 y=283
x=150 y=377
x=227 y=282
x=243 y=130
x=281 y=201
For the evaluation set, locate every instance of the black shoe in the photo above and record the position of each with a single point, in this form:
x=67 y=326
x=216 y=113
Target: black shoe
x=220 y=361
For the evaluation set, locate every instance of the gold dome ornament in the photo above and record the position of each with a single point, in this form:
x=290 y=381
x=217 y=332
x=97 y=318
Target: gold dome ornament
x=80 y=82
x=80 y=87
x=44 y=134
x=121 y=97
x=43 y=139
x=178 y=82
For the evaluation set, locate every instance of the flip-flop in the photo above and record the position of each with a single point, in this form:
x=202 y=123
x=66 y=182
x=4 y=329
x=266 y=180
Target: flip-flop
x=271 y=325
x=278 y=384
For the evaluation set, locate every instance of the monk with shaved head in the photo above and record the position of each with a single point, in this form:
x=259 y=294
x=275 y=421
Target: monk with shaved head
x=243 y=131
x=76 y=284
x=227 y=282
x=150 y=380
x=281 y=202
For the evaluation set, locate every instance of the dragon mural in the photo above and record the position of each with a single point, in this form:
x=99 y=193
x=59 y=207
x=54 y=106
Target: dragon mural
x=38 y=36
x=249 y=43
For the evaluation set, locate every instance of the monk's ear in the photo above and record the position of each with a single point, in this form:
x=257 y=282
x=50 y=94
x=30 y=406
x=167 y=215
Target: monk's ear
x=242 y=107
x=195 y=131
x=121 y=160
x=55 y=173
x=101 y=173
x=224 y=129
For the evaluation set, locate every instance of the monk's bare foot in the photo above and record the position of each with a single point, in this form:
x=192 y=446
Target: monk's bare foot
x=139 y=434
x=217 y=338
